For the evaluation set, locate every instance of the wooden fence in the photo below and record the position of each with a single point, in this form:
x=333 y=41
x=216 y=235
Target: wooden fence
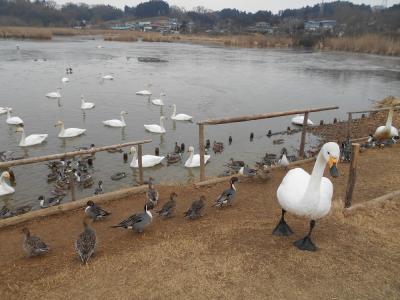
x=306 y=113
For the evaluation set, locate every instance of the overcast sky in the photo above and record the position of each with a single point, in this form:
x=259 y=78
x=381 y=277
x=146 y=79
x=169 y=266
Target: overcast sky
x=247 y=5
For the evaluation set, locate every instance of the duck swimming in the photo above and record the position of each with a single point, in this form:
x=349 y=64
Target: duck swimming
x=308 y=195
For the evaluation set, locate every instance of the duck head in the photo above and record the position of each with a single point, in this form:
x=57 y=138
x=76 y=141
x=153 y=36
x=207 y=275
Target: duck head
x=90 y=203
x=26 y=232
x=331 y=154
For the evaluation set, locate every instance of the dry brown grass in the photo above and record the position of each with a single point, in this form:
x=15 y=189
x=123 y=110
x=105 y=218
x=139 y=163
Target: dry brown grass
x=369 y=43
x=227 y=254
x=26 y=33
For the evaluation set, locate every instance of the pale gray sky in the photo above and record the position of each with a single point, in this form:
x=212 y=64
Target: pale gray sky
x=246 y=5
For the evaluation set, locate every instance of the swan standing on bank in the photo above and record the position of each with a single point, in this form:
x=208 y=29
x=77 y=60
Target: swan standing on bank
x=31 y=140
x=54 y=95
x=69 y=132
x=116 y=122
x=388 y=131
x=13 y=120
x=194 y=159
x=156 y=128
x=299 y=120
x=5 y=189
x=180 y=117
x=147 y=160
x=86 y=105
x=308 y=195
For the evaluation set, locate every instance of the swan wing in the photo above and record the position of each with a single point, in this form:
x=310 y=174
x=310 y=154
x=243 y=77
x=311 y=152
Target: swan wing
x=151 y=160
x=113 y=123
x=35 y=139
x=183 y=117
x=324 y=204
x=291 y=191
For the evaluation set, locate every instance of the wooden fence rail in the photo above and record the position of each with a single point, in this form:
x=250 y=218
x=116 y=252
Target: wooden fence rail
x=32 y=160
x=247 y=118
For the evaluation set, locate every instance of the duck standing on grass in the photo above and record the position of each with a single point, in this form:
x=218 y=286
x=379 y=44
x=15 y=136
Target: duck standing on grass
x=196 y=209
x=33 y=245
x=137 y=222
x=152 y=195
x=86 y=243
x=228 y=196
x=308 y=195
x=168 y=209
x=95 y=212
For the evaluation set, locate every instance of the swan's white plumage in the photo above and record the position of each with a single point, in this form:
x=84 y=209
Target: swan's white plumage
x=144 y=93
x=3 y=110
x=65 y=80
x=194 y=159
x=69 y=132
x=299 y=120
x=54 y=95
x=180 y=117
x=158 y=102
x=308 y=195
x=388 y=131
x=116 y=122
x=5 y=189
x=156 y=128
x=86 y=105
x=108 y=77
x=147 y=160
x=31 y=140
x=13 y=120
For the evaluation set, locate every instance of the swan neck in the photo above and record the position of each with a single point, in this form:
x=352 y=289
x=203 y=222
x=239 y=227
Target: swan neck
x=316 y=175
x=162 y=122
x=174 y=113
x=62 y=129
x=83 y=101
x=23 y=137
x=389 y=119
x=122 y=119
x=3 y=182
x=8 y=114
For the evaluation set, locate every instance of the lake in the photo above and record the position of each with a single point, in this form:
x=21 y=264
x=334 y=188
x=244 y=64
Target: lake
x=203 y=81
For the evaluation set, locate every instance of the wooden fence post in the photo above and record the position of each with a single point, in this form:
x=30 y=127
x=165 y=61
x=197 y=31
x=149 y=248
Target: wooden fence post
x=202 y=153
x=349 y=126
x=140 y=163
x=355 y=150
x=72 y=185
x=303 y=135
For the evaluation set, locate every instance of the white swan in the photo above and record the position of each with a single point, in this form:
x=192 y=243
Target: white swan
x=147 y=160
x=13 y=120
x=3 y=110
x=31 y=140
x=283 y=162
x=5 y=189
x=108 y=77
x=156 y=128
x=308 y=195
x=299 y=120
x=194 y=159
x=54 y=95
x=180 y=117
x=158 y=102
x=65 y=80
x=86 y=105
x=388 y=131
x=144 y=92
x=68 y=132
x=116 y=122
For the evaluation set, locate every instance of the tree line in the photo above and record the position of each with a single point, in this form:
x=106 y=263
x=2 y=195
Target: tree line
x=358 y=18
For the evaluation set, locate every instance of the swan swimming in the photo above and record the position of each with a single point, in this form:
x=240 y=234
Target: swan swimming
x=5 y=189
x=116 y=122
x=86 y=105
x=54 y=95
x=68 y=132
x=194 y=159
x=158 y=102
x=180 y=117
x=144 y=92
x=299 y=120
x=65 y=80
x=388 y=131
x=3 y=110
x=30 y=140
x=308 y=195
x=147 y=160
x=108 y=77
x=13 y=120
x=156 y=128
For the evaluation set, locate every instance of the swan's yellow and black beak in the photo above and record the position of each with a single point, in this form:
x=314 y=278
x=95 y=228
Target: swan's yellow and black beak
x=332 y=163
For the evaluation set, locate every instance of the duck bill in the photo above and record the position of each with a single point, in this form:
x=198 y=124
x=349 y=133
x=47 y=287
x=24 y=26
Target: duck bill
x=333 y=167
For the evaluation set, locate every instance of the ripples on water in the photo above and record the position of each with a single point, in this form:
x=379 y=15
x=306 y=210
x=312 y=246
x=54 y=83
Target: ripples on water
x=203 y=81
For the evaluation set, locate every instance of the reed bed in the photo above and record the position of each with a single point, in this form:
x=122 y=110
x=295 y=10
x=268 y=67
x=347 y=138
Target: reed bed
x=25 y=33
x=370 y=43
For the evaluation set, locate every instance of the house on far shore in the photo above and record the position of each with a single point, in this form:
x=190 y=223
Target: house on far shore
x=324 y=25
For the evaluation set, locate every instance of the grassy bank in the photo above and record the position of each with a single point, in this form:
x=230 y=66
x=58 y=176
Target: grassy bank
x=369 y=43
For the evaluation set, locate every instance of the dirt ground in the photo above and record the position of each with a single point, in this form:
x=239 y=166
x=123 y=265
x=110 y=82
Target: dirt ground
x=227 y=254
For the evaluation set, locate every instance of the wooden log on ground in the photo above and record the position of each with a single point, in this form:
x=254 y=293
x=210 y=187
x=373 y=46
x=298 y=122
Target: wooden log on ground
x=355 y=150
x=62 y=208
x=370 y=204
x=350 y=120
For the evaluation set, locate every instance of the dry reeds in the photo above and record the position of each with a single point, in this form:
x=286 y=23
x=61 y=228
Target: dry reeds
x=25 y=33
x=369 y=43
x=388 y=101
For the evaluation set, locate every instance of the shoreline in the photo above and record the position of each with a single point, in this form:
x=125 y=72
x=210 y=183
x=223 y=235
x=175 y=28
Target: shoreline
x=367 y=43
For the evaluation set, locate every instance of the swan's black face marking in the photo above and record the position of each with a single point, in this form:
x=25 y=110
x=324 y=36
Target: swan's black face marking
x=334 y=171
